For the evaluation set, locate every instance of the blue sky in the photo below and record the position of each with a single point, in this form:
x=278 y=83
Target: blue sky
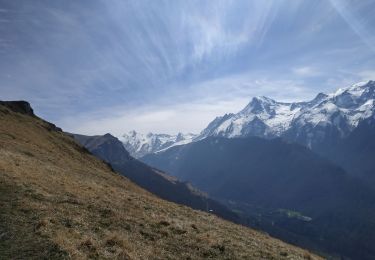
x=97 y=66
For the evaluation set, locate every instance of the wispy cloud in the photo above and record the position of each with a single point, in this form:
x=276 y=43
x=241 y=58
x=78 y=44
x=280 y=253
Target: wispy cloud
x=166 y=118
x=357 y=24
x=306 y=71
x=147 y=64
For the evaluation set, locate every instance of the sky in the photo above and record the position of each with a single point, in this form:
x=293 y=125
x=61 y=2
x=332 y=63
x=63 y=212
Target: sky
x=99 y=66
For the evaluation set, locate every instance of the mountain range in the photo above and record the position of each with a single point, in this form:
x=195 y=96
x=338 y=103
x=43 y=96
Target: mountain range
x=302 y=171
x=339 y=126
x=316 y=124
x=323 y=120
x=58 y=201
x=138 y=144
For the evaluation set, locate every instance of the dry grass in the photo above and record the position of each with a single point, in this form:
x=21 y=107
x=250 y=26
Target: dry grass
x=57 y=201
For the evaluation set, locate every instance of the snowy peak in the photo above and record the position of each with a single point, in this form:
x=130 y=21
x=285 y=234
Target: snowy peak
x=356 y=90
x=317 y=100
x=263 y=117
x=354 y=96
x=259 y=105
x=307 y=122
x=139 y=144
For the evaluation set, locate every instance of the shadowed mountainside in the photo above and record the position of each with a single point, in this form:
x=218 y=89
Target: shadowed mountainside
x=286 y=188
x=356 y=152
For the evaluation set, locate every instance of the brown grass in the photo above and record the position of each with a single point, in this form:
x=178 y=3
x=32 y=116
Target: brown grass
x=58 y=201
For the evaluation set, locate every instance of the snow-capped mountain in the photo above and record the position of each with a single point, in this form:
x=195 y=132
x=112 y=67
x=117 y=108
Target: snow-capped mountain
x=322 y=120
x=138 y=144
x=325 y=118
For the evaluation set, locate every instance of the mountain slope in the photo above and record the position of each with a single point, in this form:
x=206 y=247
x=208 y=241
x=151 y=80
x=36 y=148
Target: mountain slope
x=106 y=147
x=290 y=191
x=139 y=144
x=58 y=201
x=356 y=152
x=324 y=119
x=111 y=150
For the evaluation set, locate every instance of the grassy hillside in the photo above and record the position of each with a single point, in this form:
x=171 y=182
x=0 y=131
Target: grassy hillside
x=58 y=201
